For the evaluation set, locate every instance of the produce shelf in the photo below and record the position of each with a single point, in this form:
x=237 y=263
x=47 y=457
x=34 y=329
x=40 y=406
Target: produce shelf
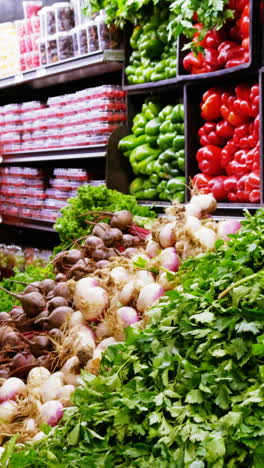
x=155 y=204
x=97 y=63
x=30 y=223
x=153 y=86
x=61 y=154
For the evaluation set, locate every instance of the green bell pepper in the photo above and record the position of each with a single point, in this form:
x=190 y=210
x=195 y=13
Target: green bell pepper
x=181 y=164
x=130 y=70
x=136 y=185
x=151 y=140
x=142 y=152
x=150 y=45
x=165 y=141
x=150 y=110
x=178 y=196
x=152 y=128
x=178 y=113
x=166 y=112
x=166 y=156
x=142 y=167
x=179 y=128
x=178 y=142
x=165 y=195
x=176 y=184
x=157 y=76
x=162 y=33
x=149 y=194
x=168 y=171
x=137 y=31
x=162 y=186
x=128 y=143
x=154 y=178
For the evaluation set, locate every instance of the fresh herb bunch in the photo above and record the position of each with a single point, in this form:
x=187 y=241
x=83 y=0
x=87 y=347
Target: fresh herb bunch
x=32 y=273
x=72 y=225
x=188 y=390
x=212 y=13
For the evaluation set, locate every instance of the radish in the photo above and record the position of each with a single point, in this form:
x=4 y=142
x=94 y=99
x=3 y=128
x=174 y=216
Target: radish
x=127 y=316
x=119 y=275
x=206 y=237
x=148 y=296
x=8 y=411
x=152 y=248
x=167 y=236
x=170 y=260
x=11 y=388
x=230 y=226
x=91 y=301
x=51 y=412
x=51 y=386
x=37 y=376
x=71 y=371
x=102 y=330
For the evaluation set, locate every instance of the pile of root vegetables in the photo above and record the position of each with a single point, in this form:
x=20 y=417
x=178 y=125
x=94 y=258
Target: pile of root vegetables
x=105 y=283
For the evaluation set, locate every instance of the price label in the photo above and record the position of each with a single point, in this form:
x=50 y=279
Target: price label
x=19 y=78
x=41 y=72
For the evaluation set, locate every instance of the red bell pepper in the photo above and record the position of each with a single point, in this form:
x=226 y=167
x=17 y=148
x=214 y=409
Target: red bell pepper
x=227 y=153
x=217 y=187
x=224 y=130
x=211 y=105
x=209 y=136
x=244 y=22
x=209 y=160
x=249 y=187
x=238 y=166
x=241 y=135
x=200 y=181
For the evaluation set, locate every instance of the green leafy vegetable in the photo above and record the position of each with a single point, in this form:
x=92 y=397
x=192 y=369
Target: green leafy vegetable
x=73 y=224
x=32 y=273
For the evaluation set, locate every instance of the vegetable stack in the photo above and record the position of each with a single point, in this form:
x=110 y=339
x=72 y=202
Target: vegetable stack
x=156 y=150
x=154 y=55
x=230 y=154
x=187 y=392
x=224 y=48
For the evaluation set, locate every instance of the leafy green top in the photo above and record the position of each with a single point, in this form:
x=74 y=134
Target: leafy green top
x=212 y=13
x=73 y=225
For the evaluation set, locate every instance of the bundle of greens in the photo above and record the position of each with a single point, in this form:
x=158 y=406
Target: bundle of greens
x=188 y=391
x=212 y=13
x=74 y=224
x=16 y=284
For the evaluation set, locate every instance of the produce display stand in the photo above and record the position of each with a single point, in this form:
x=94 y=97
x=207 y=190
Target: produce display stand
x=109 y=67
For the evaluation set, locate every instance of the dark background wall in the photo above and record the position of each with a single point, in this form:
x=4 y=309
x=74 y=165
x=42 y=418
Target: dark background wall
x=11 y=10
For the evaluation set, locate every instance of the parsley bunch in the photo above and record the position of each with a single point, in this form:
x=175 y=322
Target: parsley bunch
x=187 y=391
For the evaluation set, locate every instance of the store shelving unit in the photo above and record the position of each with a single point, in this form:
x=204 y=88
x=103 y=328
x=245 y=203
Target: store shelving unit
x=97 y=63
x=56 y=154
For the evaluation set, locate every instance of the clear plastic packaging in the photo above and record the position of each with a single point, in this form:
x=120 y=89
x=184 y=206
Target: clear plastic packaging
x=22 y=46
x=35 y=42
x=50 y=21
x=20 y=28
x=42 y=52
x=64 y=14
x=103 y=32
x=31 y=8
x=28 y=27
x=76 y=45
x=52 y=49
x=83 y=39
x=93 y=36
x=35 y=22
x=35 y=59
x=28 y=44
x=65 y=45
x=28 y=61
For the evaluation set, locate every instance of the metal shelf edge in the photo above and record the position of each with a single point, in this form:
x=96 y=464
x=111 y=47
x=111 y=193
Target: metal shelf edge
x=30 y=223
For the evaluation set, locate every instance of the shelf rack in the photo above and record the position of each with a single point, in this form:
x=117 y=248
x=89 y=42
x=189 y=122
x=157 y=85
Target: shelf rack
x=54 y=155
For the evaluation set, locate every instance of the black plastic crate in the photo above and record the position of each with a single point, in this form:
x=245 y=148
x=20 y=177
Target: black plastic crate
x=192 y=98
x=255 y=51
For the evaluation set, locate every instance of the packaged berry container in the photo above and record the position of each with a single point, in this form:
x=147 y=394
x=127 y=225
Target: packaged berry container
x=60 y=184
x=52 y=49
x=103 y=32
x=28 y=61
x=31 y=8
x=35 y=203
x=35 y=42
x=20 y=28
x=42 y=52
x=56 y=101
x=28 y=44
x=76 y=45
x=92 y=36
x=35 y=23
x=22 y=45
x=65 y=45
x=50 y=21
x=22 y=63
x=13 y=108
x=31 y=106
x=83 y=39
x=35 y=59
x=64 y=15
x=28 y=27
x=32 y=173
